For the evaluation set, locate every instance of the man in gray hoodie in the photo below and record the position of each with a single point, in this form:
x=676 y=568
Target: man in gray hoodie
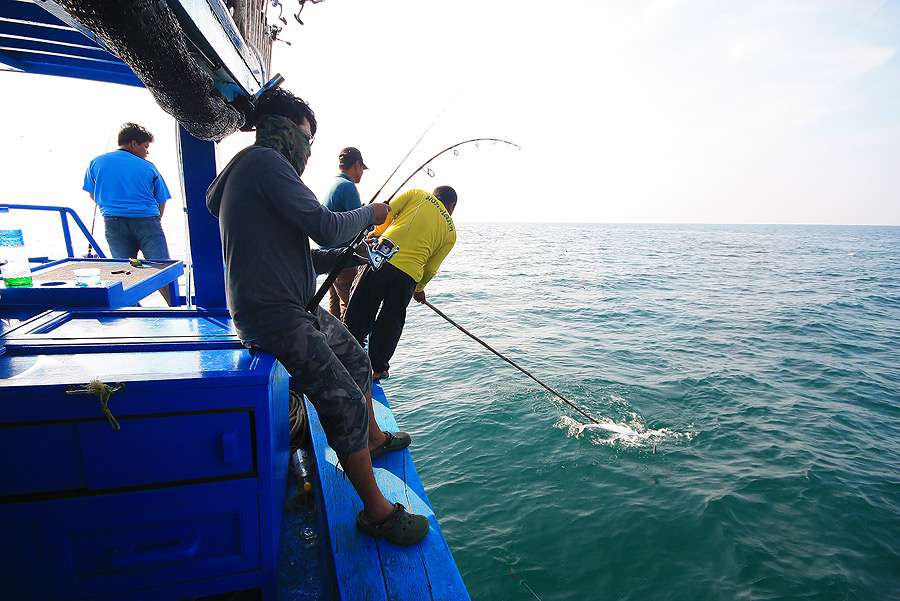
x=267 y=216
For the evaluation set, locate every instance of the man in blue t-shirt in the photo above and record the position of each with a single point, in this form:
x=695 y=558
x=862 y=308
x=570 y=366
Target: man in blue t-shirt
x=343 y=196
x=132 y=197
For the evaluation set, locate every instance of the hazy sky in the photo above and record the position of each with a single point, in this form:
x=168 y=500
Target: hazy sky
x=784 y=111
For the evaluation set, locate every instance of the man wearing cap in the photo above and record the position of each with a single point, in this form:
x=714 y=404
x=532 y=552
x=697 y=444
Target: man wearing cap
x=343 y=196
x=267 y=217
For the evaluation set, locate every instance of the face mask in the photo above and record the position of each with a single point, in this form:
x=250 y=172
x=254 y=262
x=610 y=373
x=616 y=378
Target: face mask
x=283 y=135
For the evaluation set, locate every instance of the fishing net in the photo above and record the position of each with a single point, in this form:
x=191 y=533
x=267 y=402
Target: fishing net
x=146 y=35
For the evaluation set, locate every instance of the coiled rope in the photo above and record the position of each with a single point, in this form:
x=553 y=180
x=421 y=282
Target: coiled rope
x=297 y=420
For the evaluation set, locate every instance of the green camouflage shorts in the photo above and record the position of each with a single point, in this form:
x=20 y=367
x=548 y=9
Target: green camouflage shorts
x=333 y=371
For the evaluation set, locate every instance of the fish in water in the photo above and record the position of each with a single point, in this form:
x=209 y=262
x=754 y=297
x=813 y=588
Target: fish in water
x=610 y=428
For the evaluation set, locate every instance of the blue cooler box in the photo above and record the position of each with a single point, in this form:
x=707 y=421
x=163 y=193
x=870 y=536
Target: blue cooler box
x=184 y=500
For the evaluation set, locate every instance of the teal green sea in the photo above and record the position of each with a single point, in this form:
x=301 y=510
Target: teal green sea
x=760 y=366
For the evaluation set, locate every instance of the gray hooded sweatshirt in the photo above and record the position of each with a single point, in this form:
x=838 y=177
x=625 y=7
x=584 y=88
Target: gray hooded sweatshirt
x=266 y=218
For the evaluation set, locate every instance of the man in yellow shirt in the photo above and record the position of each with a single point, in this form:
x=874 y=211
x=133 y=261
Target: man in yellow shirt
x=420 y=225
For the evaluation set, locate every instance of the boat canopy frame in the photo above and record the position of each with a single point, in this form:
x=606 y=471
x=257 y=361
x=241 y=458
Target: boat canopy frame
x=40 y=37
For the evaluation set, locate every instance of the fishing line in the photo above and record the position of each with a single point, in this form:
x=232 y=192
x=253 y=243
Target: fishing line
x=529 y=589
x=485 y=345
x=448 y=149
x=397 y=168
x=430 y=173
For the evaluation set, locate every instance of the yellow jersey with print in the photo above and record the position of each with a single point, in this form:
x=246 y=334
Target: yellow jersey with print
x=420 y=225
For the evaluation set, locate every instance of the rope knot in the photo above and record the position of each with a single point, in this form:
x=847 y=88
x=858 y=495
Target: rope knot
x=103 y=392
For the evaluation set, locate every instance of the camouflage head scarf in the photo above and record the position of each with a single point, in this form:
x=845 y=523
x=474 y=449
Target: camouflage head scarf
x=283 y=135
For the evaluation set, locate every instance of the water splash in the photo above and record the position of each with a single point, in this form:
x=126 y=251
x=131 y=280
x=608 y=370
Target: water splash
x=610 y=427
x=641 y=437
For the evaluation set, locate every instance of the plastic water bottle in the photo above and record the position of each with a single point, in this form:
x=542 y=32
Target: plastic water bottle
x=16 y=272
x=300 y=469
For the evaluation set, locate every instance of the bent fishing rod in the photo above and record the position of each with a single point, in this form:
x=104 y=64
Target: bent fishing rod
x=344 y=257
x=448 y=149
x=488 y=347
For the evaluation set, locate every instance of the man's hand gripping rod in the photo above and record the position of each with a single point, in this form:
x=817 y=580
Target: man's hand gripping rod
x=339 y=266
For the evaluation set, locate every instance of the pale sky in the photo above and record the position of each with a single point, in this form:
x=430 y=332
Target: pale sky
x=783 y=111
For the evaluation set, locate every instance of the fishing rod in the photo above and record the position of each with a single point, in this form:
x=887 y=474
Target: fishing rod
x=448 y=149
x=342 y=258
x=485 y=345
x=90 y=253
x=397 y=168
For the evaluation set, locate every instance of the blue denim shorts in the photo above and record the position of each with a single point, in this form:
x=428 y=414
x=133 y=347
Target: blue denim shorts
x=128 y=235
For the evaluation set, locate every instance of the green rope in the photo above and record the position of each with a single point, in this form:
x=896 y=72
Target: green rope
x=103 y=392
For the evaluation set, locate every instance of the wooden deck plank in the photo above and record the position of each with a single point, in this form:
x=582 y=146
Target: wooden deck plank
x=368 y=568
x=404 y=569
x=441 y=571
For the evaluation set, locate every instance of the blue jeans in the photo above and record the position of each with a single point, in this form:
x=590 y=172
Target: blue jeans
x=128 y=235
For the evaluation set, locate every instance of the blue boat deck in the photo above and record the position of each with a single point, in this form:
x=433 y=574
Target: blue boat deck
x=187 y=499
x=369 y=568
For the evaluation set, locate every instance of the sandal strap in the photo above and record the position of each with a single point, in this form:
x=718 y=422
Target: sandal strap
x=396 y=514
x=389 y=440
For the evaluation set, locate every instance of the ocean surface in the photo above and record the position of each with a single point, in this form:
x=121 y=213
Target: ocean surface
x=759 y=366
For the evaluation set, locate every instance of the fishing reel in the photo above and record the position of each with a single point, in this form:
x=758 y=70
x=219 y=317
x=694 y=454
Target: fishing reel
x=378 y=253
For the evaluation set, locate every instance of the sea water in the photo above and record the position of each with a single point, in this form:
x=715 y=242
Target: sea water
x=759 y=366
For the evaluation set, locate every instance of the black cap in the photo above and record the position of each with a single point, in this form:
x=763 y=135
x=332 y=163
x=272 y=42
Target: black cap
x=349 y=156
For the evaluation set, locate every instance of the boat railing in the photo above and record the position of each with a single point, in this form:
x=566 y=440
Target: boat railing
x=63 y=212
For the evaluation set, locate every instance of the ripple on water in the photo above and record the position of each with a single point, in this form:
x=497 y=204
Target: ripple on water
x=767 y=382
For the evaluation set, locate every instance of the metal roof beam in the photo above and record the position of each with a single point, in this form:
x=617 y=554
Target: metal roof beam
x=11 y=62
